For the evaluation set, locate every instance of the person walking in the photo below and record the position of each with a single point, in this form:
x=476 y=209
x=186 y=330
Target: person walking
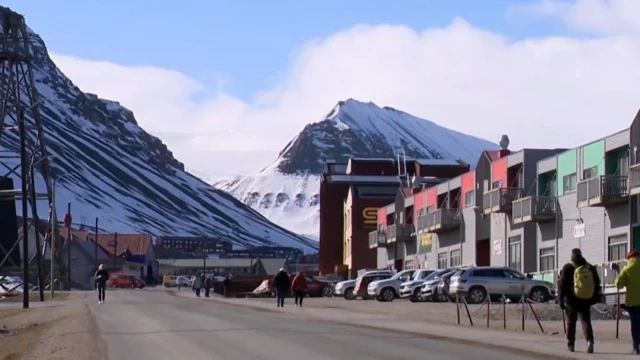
x=578 y=290
x=208 y=284
x=629 y=277
x=281 y=284
x=101 y=277
x=197 y=285
x=225 y=284
x=299 y=286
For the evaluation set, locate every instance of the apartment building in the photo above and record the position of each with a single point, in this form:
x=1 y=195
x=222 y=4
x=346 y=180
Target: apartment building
x=465 y=220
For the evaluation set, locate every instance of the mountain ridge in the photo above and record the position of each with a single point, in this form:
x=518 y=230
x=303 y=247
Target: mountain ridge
x=128 y=178
x=287 y=190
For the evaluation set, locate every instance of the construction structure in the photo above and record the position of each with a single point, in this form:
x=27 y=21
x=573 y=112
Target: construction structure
x=22 y=150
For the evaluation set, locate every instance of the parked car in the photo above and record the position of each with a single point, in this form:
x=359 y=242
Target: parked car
x=363 y=281
x=477 y=283
x=444 y=283
x=122 y=280
x=389 y=289
x=345 y=288
x=429 y=290
x=412 y=289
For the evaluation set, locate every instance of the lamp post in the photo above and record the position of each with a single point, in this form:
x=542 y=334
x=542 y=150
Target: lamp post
x=54 y=231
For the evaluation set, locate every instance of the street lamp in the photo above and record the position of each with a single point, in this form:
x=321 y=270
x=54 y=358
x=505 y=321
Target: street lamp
x=54 y=232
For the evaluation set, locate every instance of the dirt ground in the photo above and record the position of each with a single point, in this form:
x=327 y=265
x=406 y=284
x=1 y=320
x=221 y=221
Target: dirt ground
x=54 y=332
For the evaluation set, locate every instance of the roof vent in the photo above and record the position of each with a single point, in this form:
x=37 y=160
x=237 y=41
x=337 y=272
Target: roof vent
x=504 y=142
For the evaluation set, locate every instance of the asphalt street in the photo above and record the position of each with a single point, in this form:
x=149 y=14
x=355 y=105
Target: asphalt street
x=153 y=325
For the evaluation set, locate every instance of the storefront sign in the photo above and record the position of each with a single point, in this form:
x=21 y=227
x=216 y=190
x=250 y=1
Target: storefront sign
x=426 y=243
x=370 y=217
x=579 y=231
x=497 y=247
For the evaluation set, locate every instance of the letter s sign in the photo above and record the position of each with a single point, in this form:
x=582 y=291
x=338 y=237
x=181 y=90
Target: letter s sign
x=370 y=216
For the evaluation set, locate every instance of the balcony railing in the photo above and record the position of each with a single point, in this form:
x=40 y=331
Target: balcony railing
x=405 y=232
x=377 y=239
x=443 y=220
x=423 y=222
x=391 y=233
x=634 y=179
x=499 y=200
x=604 y=190
x=533 y=209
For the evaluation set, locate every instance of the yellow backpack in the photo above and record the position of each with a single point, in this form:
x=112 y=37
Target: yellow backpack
x=583 y=284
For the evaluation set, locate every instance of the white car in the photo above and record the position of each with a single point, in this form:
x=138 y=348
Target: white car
x=411 y=289
x=388 y=289
x=429 y=290
x=344 y=288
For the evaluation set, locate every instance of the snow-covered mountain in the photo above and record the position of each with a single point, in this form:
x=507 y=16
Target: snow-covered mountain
x=287 y=191
x=128 y=178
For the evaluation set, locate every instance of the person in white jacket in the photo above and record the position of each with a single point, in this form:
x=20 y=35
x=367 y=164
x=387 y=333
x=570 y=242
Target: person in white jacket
x=197 y=285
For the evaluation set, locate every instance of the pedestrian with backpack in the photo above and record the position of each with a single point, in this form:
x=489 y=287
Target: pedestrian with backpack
x=629 y=277
x=578 y=290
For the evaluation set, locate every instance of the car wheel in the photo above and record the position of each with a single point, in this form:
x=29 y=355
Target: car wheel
x=349 y=295
x=476 y=295
x=387 y=294
x=327 y=291
x=416 y=297
x=539 y=294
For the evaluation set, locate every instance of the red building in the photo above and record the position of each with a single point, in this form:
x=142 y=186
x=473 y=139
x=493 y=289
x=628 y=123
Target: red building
x=336 y=181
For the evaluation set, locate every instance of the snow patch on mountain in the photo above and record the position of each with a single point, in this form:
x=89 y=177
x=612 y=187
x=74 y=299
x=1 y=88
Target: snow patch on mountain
x=109 y=167
x=286 y=190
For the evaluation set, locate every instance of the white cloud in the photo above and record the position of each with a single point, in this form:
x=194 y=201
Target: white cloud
x=543 y=92
x=591 y=16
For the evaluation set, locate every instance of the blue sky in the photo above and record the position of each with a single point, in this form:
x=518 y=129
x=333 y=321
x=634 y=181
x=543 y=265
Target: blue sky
x=248 y=43
x=526 y=68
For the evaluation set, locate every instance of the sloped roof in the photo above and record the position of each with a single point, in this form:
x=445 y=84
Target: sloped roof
x=135 y=244
x=272 y=266
x=88 y=247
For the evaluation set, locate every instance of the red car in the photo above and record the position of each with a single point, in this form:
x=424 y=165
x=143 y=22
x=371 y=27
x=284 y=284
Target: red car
x=315 y=287
x=121 y=280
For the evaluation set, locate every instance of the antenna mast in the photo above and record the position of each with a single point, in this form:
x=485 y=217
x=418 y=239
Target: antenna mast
x=21 y=132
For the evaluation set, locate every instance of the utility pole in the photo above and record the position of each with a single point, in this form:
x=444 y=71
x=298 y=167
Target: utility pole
x=115 y=251
x=25 y=214
x=54 y=236
x=95 y=247
x=68 y=222
x=36 y=227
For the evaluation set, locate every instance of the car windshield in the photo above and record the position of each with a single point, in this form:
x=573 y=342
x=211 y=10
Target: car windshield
x=416 y=275
x=434 y=275
x=400 y=275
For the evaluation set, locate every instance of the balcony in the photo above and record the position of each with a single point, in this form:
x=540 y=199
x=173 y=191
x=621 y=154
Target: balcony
x=423 y=223
x=500 y=200
x=604 y=190
x=400 y=233
x=377 y=239
x=634 y=179
x=443 y=220
x=533 y=209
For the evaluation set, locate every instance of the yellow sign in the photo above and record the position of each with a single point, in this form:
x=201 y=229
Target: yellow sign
x=426 y=241
x=370 y=216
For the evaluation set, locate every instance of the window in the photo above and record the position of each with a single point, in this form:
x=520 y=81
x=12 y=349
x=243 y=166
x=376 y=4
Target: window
x=456 y=259
x=547 y=259
x=429 y=209
x=623 y=165
x=569 y=183
x=511 y=274
x=590 y=173
x=617 y=247
x=469 y=198
x=552 y=187
x=493 y=273
x=515 y=253
x=496 y=184
x=442 y=260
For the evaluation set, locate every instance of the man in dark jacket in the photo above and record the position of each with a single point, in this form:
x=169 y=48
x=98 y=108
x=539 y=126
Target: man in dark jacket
x=101 y=277
x=281 y=283
x=578 y=290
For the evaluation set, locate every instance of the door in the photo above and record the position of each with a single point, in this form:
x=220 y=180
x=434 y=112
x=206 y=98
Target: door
x=635 y=238
x=513 y=283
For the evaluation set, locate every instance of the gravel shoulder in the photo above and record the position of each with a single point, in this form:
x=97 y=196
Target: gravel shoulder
x=549 y=315
x=53 y=332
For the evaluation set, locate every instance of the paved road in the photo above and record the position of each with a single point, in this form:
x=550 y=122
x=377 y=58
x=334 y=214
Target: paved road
x=154 y=325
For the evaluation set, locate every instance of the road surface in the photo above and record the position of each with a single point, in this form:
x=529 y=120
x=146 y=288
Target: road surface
x=154 y=325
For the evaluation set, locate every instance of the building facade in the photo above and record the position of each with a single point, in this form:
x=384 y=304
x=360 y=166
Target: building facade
x=195 y=244
x=337 y=179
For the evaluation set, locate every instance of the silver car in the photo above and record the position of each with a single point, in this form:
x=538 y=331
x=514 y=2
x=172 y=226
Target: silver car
x=411 y=288
x=429 y=290
x=388 y=289
x=476 y=283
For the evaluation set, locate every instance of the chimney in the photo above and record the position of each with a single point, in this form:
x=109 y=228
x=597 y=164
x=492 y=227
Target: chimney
x=504 y=145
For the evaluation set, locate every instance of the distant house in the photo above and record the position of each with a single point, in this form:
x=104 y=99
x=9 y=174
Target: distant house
x=220 y=266
x=83 y=260
x=137 y=249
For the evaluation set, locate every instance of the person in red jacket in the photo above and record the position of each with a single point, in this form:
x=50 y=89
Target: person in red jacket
x=299 y=287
